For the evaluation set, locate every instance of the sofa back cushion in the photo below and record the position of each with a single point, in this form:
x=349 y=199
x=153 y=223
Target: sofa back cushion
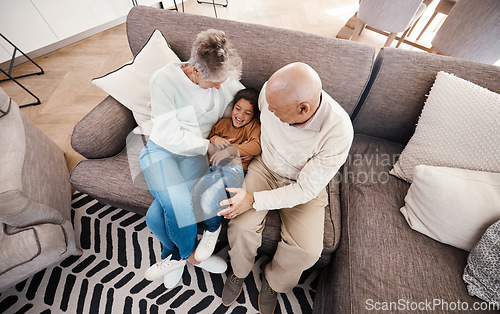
x=343 y=66
x=397 y=90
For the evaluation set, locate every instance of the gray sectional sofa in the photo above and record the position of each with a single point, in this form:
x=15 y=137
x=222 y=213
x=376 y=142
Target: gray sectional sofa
x=370 y=252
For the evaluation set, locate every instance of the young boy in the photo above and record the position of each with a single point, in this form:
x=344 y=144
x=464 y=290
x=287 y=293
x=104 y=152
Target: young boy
x=241 y=133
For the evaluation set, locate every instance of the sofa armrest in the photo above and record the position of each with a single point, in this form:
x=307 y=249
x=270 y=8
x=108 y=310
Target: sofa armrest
x=18 y=210
x=103 y=131
x=26 y=251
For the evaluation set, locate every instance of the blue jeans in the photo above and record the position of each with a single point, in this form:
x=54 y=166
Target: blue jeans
x=170 y=217
x=210 y=190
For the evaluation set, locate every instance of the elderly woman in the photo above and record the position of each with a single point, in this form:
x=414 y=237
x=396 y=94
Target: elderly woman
x=187 y=99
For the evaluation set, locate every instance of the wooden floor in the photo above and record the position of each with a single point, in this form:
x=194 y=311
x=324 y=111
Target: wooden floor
x=67 y=93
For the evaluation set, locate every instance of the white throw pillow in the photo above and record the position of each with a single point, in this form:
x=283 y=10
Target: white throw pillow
x=459 y=127
x=451 y=205
x=129 y=84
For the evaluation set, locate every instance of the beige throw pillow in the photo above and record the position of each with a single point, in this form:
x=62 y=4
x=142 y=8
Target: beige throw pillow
x=129 y=84
x=459 y=127
x=451 y=205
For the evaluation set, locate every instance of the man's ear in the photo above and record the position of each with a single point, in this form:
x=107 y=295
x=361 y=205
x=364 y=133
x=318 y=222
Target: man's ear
x=304 y=108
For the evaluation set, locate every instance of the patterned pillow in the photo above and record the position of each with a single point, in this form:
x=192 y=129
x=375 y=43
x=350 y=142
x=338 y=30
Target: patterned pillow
x=459 y=127
x=482 y=273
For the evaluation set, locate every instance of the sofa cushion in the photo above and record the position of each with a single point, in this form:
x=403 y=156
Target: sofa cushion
x=34 y=185
x=458 y=128
x=398 y=87
x=331 y=238
x=109 y=181
x=103 y=131
x=482 y=271
x=451 y=205
x=379 y=257
x=18 y=247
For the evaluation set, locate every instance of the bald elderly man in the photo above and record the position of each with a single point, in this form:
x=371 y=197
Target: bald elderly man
x=305 y=138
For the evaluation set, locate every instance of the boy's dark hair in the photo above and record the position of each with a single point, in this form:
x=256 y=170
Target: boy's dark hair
x=250 y=94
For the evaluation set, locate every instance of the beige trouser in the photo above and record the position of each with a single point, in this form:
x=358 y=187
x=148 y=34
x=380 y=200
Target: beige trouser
x=301 y=233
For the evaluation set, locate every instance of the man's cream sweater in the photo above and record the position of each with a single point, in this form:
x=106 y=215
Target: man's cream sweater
x=310 y=154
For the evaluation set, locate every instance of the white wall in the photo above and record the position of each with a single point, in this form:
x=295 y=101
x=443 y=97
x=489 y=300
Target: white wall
x=23 y=25
x=37 y=27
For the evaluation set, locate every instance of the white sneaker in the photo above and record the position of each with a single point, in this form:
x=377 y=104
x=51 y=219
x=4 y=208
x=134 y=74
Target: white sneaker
x=206 y=245
x=171 y=279
x=162 y=268
x=214 y=264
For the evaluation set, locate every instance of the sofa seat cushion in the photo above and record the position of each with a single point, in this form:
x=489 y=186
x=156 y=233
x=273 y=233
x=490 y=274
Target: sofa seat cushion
x=331 y=239
x=380 y=258
x=109 y=181
x=452 y=205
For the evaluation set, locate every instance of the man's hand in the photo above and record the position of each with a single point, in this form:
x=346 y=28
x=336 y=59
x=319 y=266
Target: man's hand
x=247 y=158
x=238 y=204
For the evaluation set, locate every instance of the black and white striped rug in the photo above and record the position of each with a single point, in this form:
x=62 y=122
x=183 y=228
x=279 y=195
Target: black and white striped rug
x=108 y=278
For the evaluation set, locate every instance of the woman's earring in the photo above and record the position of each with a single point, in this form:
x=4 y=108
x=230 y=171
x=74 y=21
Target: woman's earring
x=195 y=79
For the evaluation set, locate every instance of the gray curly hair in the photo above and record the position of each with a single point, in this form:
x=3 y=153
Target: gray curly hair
x=215 y=57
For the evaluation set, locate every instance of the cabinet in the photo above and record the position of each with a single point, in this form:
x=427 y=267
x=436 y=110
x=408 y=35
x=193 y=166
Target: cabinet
x=105 y=11
x=22 y=24
x=65 y=17
x=41 y=26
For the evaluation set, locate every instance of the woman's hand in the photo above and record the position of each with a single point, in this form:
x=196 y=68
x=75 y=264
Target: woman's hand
x=228 y=153
x=219 y=139
x=215 y=147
